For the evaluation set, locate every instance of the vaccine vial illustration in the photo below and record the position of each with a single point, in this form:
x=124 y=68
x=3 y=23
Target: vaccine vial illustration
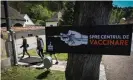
x=50 y=47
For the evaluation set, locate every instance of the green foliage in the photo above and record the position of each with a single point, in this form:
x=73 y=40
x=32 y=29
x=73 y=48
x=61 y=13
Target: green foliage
x=40 y=22
x=40 y=11
x=118 y=13
x=53 y=5
x=67 y=16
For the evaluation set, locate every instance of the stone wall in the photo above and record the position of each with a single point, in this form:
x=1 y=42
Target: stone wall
x=3 y=49
x=5 y=59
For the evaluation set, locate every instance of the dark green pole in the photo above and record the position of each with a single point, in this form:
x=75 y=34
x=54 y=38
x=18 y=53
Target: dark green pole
x=6 y=15
x=11 y=34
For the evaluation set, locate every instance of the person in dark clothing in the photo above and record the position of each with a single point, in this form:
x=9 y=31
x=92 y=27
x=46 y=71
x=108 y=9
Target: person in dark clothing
x=40 y=46
x=24 y=45
x=55 y=57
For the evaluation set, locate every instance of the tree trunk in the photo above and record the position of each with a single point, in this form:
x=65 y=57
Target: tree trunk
x=86 y=66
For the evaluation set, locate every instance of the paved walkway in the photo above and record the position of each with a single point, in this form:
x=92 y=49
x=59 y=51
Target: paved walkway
x=30 y=40
x=36 y=62
x=118 y=67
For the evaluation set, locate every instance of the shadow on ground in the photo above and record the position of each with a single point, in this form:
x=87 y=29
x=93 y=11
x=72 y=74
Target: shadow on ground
x=32 y=60
x=43 y=75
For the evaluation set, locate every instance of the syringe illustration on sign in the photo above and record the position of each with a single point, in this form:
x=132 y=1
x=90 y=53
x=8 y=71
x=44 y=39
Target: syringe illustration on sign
x=73 y=38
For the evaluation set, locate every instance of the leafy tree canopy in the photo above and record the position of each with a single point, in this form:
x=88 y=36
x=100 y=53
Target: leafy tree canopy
x=118 y=13
x=37 y=10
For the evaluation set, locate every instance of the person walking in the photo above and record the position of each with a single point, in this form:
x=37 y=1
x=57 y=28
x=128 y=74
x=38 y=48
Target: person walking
x=25 y=46
x=52 y=53
x=40 y=46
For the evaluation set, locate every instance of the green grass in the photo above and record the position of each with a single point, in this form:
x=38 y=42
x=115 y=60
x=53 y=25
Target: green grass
x=26 y=73
x=60 y=56
x=32 y=52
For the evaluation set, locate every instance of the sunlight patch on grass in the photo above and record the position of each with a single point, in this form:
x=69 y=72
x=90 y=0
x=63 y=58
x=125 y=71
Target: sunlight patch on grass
x=26 y=73
x=60 y=56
